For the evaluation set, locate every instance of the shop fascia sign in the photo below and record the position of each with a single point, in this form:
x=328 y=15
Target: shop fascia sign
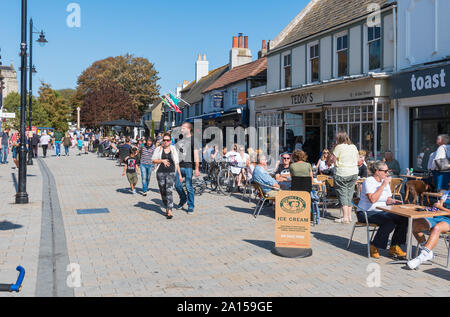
x=285 y=101
x=426 y=82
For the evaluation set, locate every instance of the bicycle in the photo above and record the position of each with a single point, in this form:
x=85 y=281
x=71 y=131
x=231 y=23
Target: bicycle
x=226 y=179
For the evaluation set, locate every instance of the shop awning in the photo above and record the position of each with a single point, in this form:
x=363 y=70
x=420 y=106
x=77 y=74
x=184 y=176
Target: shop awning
x=206 y=116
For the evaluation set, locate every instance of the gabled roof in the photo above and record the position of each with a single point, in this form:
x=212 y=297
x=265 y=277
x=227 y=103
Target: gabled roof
x=193 y=93
x=239 y=73
x=321 y=15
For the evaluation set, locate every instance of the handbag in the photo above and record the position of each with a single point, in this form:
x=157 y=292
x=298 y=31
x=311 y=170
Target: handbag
x=443 y=165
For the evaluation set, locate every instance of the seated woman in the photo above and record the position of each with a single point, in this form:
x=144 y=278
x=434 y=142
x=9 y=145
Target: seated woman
x=376 y=192
x=436 y=226
x=325 y=166
x=301 y=168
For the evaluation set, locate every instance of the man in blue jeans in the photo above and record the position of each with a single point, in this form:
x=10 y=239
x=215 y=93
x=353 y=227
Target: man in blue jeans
x=4 y=136
x=146 y=164
x=189 y=159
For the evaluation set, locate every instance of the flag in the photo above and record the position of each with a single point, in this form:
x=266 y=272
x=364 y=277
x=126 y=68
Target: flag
x=166 y=102
x=173 y=102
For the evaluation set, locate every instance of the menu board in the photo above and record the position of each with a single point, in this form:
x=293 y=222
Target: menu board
x=293 y=220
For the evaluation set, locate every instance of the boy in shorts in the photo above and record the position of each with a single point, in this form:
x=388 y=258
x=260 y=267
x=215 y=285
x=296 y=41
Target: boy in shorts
x=131 y=169
x=80 y=145
x=436 y=226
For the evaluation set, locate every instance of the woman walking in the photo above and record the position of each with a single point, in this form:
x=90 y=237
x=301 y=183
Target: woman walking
x=166 y=162
x=346 y=176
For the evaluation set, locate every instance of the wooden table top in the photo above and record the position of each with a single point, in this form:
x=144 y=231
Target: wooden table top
x=415 y=177
x=410 y=212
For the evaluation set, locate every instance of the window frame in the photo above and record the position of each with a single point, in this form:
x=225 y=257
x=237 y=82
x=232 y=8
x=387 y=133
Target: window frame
x=337 y=51
x=284 y=84
x=367 y=44
x=310 y=59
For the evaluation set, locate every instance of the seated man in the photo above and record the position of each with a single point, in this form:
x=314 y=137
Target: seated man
x=436 y=226
x=376 y=192
x=262 y=177
x=392 y=163
x=362 y=167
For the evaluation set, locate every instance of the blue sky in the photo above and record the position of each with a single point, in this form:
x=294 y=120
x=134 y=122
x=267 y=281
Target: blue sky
x=168 y=33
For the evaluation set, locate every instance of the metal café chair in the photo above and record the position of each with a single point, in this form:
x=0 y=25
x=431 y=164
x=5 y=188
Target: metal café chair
x=370 y=227
x=263 y=198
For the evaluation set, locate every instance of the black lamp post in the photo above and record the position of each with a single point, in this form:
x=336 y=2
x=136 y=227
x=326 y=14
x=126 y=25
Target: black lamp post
x=22 y=196
x=42 y=41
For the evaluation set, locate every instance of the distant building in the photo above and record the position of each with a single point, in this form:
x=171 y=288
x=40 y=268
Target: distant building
x=10 y=81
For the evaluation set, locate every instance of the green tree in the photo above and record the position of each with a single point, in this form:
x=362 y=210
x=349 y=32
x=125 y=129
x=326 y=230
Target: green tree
x=55 y=106
x=39 y=115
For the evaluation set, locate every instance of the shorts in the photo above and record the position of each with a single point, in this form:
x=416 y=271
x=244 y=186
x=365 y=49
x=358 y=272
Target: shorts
x=80 y=147
x=86 y=143
x=436 y=220
x=132 y=178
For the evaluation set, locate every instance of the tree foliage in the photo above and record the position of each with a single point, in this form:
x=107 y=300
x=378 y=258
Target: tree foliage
x=107 y=102
x=57 y=108
x=40 y=117
x=135 y=75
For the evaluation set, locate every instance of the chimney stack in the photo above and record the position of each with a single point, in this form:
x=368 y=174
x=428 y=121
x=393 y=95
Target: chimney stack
x=201 y=67
x=240 y=54
x=263 y=51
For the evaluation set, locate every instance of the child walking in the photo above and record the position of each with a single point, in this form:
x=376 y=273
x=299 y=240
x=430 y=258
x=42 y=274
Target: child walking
x=131 y=169
x=80 y=146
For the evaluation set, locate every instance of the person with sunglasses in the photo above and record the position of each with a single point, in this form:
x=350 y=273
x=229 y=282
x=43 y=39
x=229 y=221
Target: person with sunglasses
x=376 y=192
x=167 y=163
x=283 y=173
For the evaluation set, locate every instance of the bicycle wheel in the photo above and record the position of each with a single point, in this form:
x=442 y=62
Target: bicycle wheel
x=212 y=182
x=225 y=182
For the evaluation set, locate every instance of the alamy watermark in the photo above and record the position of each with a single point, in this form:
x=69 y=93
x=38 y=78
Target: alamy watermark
x=74 y=278
x=374 y=278
x=74 y=18
x=374 y=18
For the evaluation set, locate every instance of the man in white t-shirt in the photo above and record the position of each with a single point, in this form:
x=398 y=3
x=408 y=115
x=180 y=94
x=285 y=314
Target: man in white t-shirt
x=44 y=141
x=376 y=192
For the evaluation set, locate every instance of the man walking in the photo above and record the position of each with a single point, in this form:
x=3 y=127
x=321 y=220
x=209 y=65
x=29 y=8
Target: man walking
x=58 y=136
x=45 y=140
x=4 y=146
x=145 y=161
x=189 y=159
x=35 y=144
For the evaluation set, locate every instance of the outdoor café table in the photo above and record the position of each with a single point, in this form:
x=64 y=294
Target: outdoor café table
x=414 y=177
x=409 y=211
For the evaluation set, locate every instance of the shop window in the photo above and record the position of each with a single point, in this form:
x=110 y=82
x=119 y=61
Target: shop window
x=341 y=56
x=374 y=47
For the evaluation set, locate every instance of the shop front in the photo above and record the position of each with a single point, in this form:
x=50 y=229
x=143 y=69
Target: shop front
x=360 y=107
x=422 y=101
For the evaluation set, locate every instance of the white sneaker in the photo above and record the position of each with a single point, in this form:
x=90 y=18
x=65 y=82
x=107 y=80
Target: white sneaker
x=422 y=258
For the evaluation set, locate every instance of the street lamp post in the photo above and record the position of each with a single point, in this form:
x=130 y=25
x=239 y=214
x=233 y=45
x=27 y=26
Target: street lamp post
x=42 y=41
x=22 y=196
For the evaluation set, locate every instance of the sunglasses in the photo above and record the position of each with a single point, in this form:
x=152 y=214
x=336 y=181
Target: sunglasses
x=167 y=140
x=286 y=158
x=385 y=171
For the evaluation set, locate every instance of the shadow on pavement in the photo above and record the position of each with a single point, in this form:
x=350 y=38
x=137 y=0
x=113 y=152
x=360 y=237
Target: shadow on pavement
x=16 y=186
x=126 y=191
x=151 y=207
x=342 y=242
x=438 y=272
x=268 y=245
x=266 y=212
x=6 y=225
